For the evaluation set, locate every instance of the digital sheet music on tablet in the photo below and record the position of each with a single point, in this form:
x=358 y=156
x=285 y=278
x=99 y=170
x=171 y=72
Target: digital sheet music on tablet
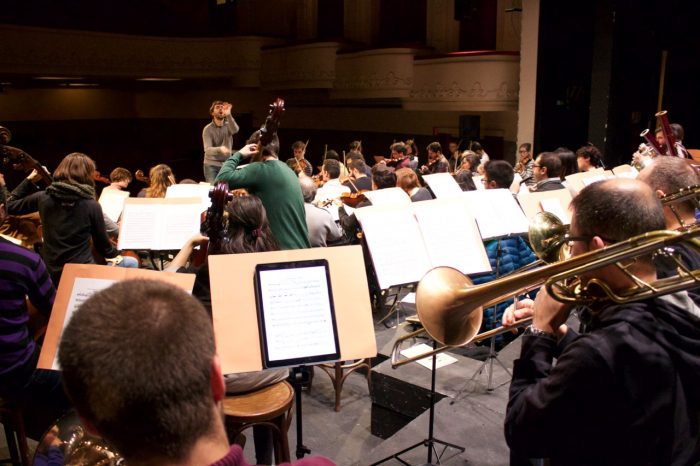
x=295 y=313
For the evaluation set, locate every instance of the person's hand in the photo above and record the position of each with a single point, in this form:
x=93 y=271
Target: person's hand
x=225 y=150
x=519 y=310
x=198 y=239
x=2 y=181
x=34 y=176
x=549 y=314
x=248 y=150
x=226 y=107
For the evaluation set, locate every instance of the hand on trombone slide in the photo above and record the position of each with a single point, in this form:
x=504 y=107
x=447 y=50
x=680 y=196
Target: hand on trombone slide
x=548 y=315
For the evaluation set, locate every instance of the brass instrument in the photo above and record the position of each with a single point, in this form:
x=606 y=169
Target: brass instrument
x=689 y=194
x=547 y=236
x=449 y=306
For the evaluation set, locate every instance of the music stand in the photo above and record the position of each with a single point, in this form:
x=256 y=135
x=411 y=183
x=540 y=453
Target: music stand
x=431 y=441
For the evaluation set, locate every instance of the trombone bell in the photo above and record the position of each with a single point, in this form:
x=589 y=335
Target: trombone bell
x=440 y=307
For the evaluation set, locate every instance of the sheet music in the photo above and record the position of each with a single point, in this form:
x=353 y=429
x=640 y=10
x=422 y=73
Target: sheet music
x=589 y=180
x=83 y=288
x=625 y=170
x=479 y=182
x=532 y=203
x=159 y=224
x=388 y=197
x=443 y=185
x=496 y=212
x=441 y=359
x=450 y=235
x=112 y=202
x=395 y=243
x=297 y=313
x=553 y=206
x=190 y=190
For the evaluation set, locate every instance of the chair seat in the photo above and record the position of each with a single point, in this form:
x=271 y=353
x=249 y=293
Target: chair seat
x=261 y=405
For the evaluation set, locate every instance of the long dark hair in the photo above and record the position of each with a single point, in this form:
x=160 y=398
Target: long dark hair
x=248 y=228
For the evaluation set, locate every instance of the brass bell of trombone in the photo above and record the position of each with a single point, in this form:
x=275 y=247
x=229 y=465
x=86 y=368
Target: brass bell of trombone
x=547 y=236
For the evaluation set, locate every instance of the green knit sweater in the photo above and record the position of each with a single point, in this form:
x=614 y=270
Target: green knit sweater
x=278 y=188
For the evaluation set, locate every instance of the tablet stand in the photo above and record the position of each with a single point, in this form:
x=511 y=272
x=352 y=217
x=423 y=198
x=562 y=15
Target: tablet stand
x=300 y=375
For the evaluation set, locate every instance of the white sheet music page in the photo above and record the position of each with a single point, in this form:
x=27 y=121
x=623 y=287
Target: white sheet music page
x=297 y=313
x=112 y=202
x=388 y=197
x=451 y=236
x=158 y=224
x=190 y=190
x=83 y=288
x=496 y=212
x=395 y=243
x=553 y=206
x=443 y=185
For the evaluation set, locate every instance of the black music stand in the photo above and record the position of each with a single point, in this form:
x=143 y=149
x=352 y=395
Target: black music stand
x=431 y=441
x=299 y=376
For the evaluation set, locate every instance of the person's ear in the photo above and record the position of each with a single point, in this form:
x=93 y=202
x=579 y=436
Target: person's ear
x=218 y=387
x=660 y=194
x=596 y=243
x=492 y=185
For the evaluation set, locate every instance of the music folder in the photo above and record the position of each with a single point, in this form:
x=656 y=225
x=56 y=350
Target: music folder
x=296 y=316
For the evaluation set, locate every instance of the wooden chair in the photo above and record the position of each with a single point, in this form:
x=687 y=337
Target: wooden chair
x=12 y=422
x=339 y=371
x=270 y=406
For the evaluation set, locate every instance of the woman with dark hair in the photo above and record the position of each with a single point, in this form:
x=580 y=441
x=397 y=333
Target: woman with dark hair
x=71 y=217
x=247 y=231
x=569 y=162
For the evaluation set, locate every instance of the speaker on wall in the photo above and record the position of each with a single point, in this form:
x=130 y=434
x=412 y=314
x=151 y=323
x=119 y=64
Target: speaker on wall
x=469 y=127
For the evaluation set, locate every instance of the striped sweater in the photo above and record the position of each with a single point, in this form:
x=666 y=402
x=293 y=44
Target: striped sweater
x=22 y=275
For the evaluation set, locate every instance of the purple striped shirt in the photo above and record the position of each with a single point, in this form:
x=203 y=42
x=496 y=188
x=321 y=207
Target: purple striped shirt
x=22 y=275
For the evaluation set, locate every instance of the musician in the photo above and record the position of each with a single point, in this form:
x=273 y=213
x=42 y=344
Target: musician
x=627 y=392
x=399 y=154
x=412 y=153
x=298 y=162
x=119 y=178
x=546 y=171
x=525 y=164
x=382 y=177
x=332 y=188
x=24 y=276
x=467 y=171
x=276 y=186
x=322 y=227
x=505 y=255
x=455 y=155
x=71 y=217
x=153 y=406
x=678 y=135
x=588 y=158
x=437 y=162
x=350 y=159
x=355 y=146
x=407 y=180
x=217 y=138
x=359 y=181
x=479 y=150
x=160 y=177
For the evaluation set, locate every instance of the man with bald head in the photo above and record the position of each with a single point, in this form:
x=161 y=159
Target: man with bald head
x=668 y=175
x=627 y=391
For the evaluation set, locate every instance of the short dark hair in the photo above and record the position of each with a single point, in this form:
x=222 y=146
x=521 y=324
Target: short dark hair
x=271 y=149
x=399 y=147
x=592 y=153
x=617 y=209
x=384 y=179
x=331 y=154
x=136 y=361
x=120 y=174
x=499 y=171
x=298 y=145
x=465 y=180
x=332 y=167
x=527 y=146
x=434 y=147
x=358 y=164
x=552 y=162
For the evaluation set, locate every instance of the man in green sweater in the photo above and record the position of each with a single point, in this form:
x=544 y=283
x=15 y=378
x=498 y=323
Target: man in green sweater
x=277 y=187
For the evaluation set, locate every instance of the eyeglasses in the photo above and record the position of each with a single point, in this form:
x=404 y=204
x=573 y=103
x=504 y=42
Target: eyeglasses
x=536 y=166
x=570 y=240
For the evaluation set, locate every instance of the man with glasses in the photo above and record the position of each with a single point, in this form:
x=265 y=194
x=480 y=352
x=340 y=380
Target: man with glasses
x=546 y=171
x=627 y=391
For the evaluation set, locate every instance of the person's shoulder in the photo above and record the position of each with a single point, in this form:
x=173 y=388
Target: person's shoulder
x=19 y=254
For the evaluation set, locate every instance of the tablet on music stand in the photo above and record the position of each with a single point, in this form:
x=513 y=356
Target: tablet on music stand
x=296 y=316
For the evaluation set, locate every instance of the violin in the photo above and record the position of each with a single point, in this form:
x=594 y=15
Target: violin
x=19 y=159
x=353 y=199
x=98 y=177
x=139 y=175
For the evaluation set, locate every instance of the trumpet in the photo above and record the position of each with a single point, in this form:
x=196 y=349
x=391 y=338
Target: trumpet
x=450 y=307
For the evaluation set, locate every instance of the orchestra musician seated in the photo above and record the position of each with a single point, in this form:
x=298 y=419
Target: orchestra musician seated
x=467 y=171
x=407 y=180
x=382 y=177
x=159 y=177
x=589 y=158
x=350 y=157
x=323 y=229
x=332 y=188
x=358 y=181
x=153 y=406
x=399 y=156
x=626 y=391
x=298 y=162
x=506 y=255
x=120 y=179
x=546 y=171
x=25 y=278
x=437 y=162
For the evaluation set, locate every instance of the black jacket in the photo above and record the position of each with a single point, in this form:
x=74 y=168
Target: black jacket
x=626 y=393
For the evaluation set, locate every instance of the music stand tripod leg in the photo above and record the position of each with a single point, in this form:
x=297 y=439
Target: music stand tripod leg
x=298 y=378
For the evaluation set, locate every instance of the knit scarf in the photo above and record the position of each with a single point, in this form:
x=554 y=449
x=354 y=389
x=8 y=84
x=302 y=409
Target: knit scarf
x=70 y=192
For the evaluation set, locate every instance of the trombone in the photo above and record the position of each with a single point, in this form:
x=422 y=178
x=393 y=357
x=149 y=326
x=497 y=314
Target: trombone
x=450 y=307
